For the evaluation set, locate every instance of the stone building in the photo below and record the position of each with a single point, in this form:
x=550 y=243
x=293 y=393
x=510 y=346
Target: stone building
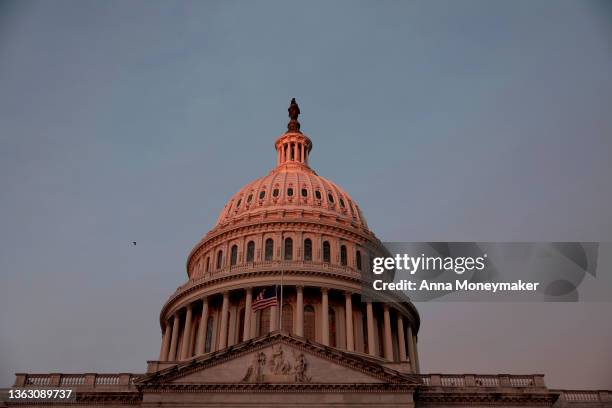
x=323 y=344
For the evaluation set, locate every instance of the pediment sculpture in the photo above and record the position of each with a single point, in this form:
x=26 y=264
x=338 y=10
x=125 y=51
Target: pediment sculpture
x=277 y=367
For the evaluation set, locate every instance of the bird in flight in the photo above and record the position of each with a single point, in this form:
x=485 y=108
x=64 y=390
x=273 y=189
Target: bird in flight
x=134 y=243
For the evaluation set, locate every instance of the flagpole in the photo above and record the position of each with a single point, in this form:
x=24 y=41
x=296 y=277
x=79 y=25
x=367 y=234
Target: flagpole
x=280 y=314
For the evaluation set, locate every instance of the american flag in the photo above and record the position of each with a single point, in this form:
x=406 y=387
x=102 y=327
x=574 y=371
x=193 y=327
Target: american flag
x=265 y=298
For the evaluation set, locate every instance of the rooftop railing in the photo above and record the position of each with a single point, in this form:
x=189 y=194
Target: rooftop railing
x=90 y=380
x=482 y=380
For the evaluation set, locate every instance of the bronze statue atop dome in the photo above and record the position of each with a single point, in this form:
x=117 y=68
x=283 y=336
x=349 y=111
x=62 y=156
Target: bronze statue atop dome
x=294 y=112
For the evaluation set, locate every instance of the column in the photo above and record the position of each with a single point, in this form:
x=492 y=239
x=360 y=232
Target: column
x=324 y=317
x=273 y=318
x=175 y=329
x=163 y=356
x=223 y=328
x=279 y=156
x=348 y=307
x=247 y=314
x=299 y=328
x=370 y=319
x=201 y=341
x=411 y=351
x=186 y=333
x=401 y=338
x=387 y=342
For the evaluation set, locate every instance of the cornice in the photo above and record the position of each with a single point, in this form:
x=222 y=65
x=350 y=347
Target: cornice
x=447 y=397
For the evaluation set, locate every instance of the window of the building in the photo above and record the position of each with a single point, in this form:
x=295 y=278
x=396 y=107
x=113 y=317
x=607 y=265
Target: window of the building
x=307 y=249
x=381 y=340
x=342 y=203
x=207 y=266
x=309 y=323
x=364 y=331
x=219 y=259
x=275 y=192
x=209 y=334
x=288 y=249
x=318 y=194
x=289 y=192
x=262 y=194
x=358 y=259
x=343 y=260
x=241 y=325
x=234 y=255
x=332 y=327
x=330 y=197
x=249 y=198
x=326 y=252
x=269 y=251
x=304 y=192
x=264 y=321
x=238 y=203
x=250 y=256
x=287 y=319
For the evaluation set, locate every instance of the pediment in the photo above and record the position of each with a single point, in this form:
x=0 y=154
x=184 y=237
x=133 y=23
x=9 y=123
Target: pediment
x=277 y=359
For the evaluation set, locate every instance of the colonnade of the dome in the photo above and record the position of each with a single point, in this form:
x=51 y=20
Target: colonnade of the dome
x=331 y=317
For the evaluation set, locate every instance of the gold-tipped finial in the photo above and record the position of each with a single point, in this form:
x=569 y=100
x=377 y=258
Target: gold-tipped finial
x=294 y=112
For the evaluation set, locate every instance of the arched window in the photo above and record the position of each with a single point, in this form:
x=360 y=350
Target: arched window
x=326 y=252
x=342 y=203
x=264 y=321
x=269 y=249
x=288 y=249
x=318 y=194
x=275 y=192
x=219 y=259
x=304 y=192
x=289 y=192
x=307 y=249
x=332 y=327
x=330 y=198
x=234 y=255
x=209 y=335
x=343 y=260
x=309 y=323
x=250 y=256
x=238 y=203
x=287 y=318
x=358 y=259
x=262 y=194
x=249 y=198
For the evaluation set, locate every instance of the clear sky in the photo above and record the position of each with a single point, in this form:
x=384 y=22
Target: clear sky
x=127 y=121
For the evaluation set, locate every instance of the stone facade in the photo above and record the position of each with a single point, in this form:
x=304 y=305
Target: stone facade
x=324 y=344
